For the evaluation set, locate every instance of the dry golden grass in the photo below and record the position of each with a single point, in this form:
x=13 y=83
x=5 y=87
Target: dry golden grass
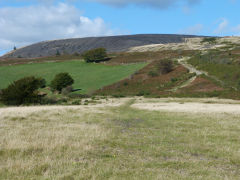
x=47 y=143
x=103 y=142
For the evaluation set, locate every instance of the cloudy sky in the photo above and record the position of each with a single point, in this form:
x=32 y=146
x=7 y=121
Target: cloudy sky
x=24 y=22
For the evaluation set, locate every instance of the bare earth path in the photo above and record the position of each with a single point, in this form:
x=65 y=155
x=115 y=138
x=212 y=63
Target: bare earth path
x=192 y=69
x=183 y=61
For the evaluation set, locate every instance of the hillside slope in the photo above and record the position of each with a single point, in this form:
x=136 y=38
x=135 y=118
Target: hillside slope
x=79 y=45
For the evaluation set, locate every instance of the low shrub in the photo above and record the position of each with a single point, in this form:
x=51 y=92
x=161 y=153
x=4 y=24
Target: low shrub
x=165 y=66
x=210 y=40
x=118 y=95
x=95 y=55
x=67 y=90
x=42 y=82
x=174 y=79
x=61 y=80
x=152 y=73
x=78 y=96
x=76 y=102
x=140 y=93
x=22 y=91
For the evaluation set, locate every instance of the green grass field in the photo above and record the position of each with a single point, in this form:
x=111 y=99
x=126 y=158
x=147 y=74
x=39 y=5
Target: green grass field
x=117 y=143
x=88 y=77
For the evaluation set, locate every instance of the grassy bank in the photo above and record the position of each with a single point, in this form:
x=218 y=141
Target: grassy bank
x=220 y=64
x=88 y=77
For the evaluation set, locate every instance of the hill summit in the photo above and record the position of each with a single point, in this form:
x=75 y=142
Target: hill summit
x=79 y=45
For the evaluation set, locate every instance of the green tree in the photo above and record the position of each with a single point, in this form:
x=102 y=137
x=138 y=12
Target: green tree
x=22 y=91
x=95 y=55
x=58 y=53
x=61 y=80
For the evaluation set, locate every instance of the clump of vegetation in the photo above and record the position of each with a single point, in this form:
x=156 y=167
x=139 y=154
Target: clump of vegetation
x=22 y=91
x=174 y=80
x=76 y=102
x=42 y=82
x=153 y=73
x=95 y=55
x=210 y=40
x=67 y=90
x=165 y=66
x=58 y=53
x=61 y=80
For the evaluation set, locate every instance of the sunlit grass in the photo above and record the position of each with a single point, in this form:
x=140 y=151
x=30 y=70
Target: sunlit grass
x=119 y=143
x=87 y=76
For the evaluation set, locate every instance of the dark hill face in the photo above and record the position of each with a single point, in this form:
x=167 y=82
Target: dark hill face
x=79 y=45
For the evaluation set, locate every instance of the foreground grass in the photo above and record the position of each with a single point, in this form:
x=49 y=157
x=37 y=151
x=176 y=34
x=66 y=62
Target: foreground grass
x=88 y=77
x=119 y=143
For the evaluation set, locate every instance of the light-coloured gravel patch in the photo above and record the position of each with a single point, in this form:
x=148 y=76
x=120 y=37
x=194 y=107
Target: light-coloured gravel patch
x=190 y=107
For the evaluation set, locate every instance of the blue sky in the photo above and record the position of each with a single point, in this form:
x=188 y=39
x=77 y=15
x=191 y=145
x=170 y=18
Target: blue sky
x=23 y=22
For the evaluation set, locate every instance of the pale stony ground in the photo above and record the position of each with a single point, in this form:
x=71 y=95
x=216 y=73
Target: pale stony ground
x=189 y=44
x=191 y=105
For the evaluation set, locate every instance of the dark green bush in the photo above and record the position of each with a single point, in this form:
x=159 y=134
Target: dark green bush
x=42 y=82
x=165 y=66
x=95 y=55
x=140 y=93
x=76 y=102
x=61 y=80
x=118 y=95
x=58 y=53
x=22 y=91
x=152 y=73
x=49 y=101
x=174 y=79
x=210 y=40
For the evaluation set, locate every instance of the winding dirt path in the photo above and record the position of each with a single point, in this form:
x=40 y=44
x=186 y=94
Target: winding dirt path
x=192 y=69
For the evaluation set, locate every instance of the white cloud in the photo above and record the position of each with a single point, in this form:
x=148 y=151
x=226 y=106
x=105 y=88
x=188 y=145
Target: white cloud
x=25 y=25
x=152 y=3
x=193 y=30
x=222 y=26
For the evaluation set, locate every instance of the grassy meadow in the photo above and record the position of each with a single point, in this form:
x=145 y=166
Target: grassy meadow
x=118 y=143
x=88 y=77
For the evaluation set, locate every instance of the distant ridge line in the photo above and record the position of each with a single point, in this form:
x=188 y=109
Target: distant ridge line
x=118 y=43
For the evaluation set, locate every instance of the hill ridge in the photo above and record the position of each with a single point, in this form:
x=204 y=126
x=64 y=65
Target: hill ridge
x=118 y=43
